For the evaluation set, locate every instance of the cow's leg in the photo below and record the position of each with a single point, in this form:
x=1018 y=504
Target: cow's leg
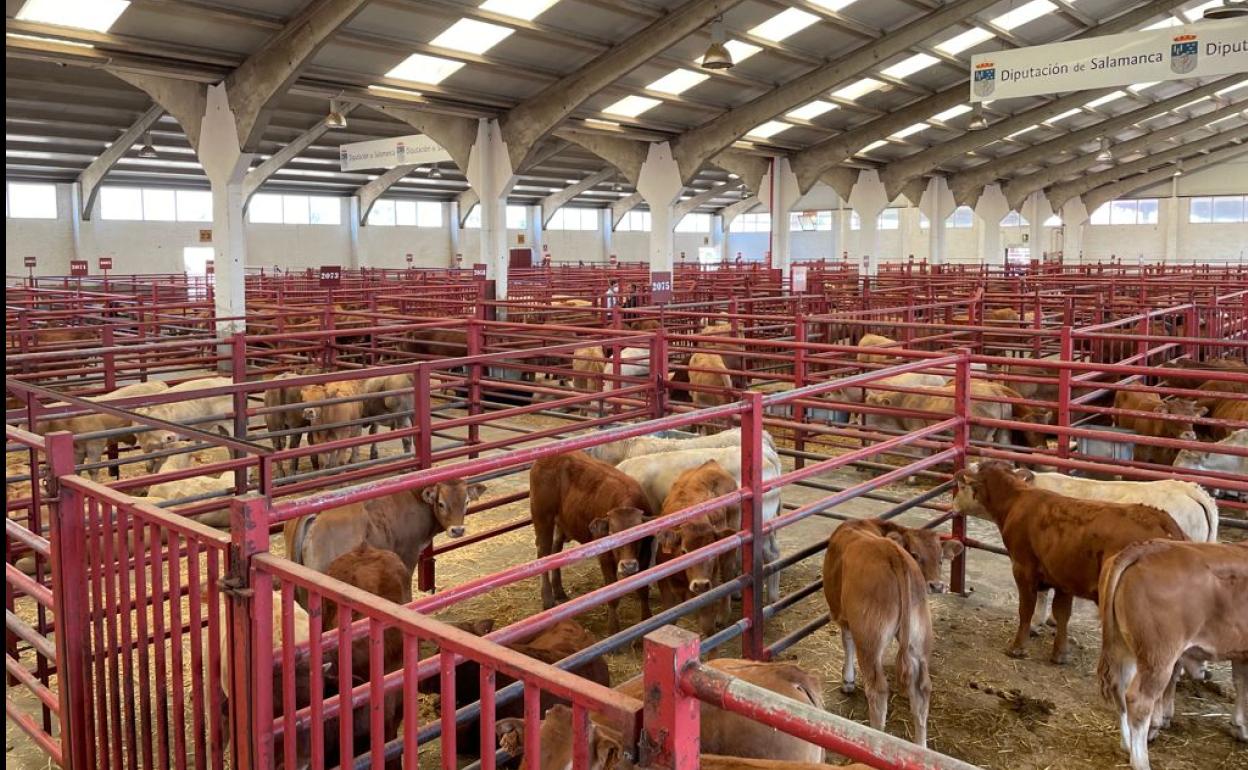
x=848 y=679
x=875 y=682
x=1150 y=684
x=556 y=575
x=1123 y=670
x=372 y=447
x=914 y=676
x=1239 y=673
x=93 y=453
x=1026 y=608
x=406 y=423
x=609 y=575
x=295 y=438
x=1043 y=613
x=771 y=552
x=1061 y=611
x=1163 y=711
x=543 y=534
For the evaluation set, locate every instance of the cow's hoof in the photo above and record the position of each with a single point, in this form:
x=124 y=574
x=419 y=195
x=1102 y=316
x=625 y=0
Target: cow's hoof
x=1051 y=622
x=1037 y=630
x=1016 y=652
x=848 y=688
x=1060 y=659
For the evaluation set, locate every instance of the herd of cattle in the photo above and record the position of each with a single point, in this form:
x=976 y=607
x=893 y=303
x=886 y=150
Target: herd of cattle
x=1170 y=597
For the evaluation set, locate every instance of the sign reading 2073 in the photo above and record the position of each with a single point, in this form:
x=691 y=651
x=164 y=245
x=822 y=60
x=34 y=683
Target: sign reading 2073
x=331 y=275
x=661 y=287
x=1145 y=57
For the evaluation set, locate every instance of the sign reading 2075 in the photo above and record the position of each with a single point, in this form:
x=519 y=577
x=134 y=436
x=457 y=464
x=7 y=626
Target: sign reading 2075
x=1145 y=57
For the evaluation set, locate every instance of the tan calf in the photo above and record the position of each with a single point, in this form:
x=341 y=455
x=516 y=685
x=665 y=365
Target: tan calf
x=875 y=341
x=1157 y=427
x=389 y=409
x=324 y=420
x=711 y=385
x=92 y=450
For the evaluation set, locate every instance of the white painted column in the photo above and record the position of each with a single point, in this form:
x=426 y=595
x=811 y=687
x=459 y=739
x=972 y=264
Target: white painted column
x=353 y=230
x=834 y=233
x=1074 y=219
x=604 y=224
x=490 y=174
x=451 y=212
x=660 y=186
x=989 y=211
x=535 y=233
x=937 y=204
x=1170 y=216
x=717 y=236
x=1036 y=209
x=75 y=223
x=781 y=194
x=226 y=164
x=868 y=199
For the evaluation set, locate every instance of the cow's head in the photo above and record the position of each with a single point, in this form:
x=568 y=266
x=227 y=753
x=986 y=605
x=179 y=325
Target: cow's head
x=311 y=394
x=881 y=398
x=607 y=750
x=449 y=502
x=927 y=550
x=628 y=557
x=1032 y=438
x=981 y=486
x=1186 y=409
x=688 y=538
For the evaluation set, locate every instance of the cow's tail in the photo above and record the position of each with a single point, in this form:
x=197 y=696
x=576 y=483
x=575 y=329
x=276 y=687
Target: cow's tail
x=1210 y=506
x=1107 y=590
x=914 y=626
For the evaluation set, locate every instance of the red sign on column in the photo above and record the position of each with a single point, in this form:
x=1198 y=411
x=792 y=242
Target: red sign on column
x=78 y=267
x=480 y=270
x=106 y=263
x=661 y=287
x=331 y=275
x=29 y=261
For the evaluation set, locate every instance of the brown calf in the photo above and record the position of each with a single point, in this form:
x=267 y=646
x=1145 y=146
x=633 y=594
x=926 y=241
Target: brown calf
x=575 y=497
x=394 y=410
x=697 y=485
x=324 y=420
x=1054 y=541
x=875 y=578
x=1157 y=427
x=711 y=383
x=1161 y=601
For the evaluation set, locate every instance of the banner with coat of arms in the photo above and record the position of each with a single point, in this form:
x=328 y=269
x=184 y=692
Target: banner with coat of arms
x=415 y=149
x=1185 y=51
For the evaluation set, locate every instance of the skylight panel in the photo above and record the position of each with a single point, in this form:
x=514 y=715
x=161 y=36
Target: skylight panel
x=420 y=68
x=769 y=129
x=811 y=110
x=1197 y=13
x=52 y=40
x=1064 y=115
x=1169 y=21
x=600 y=122
x=632 y=106
x=952 y=113
x=908 y=130
x=1024 y=14
x=784 y=24
x=471 y=36
x=1022 y=131
x=858 y=89
x=94 y=15
x=1138 y=87
x=968 y=39
x=1106 y=99
x=528 y=10
x=832 y=5
x=1231 y=88
x=873 y=146
x=907 y=67
x=677 y=81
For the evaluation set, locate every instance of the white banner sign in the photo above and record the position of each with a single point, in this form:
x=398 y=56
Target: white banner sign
x=1187 y=51
x=388 y=153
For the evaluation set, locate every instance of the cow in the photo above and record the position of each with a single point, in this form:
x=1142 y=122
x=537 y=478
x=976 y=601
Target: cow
x=723 y=733
x=404 y=522
x=1161 y=601
x=588 y=364
x=326 y=421
x=646 y=325
x=288 y=415
x=941 y=401
x=876 y=341
x=1157 y=427
x=381 y=573
x=876 y=576
x=436 y=343
x=1053 y=541
x=92 y=450
x=1223 y=408
x=1193 y=374
x=657 y=473
x=385 y=407
x=185 y=412
x=575 y=497
x=618 y=451
x=196 y=486
x=711 y=385
x=1213 y=461
x=565 y=638
x=697 y=485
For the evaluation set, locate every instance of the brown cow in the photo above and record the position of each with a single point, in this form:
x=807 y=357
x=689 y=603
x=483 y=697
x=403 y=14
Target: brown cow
x=381 y=573
x=723 y=733
x=1054 y=541
x=290 y=417
x=1161 y=601
x=941 y=401
x=646 y=325
x=575 y=497
x=1233 y=408
x=436 y=343
x=324 y=420
x=697 y=485
x=588 y=364
x=394 y=410
x=876 y=341
x=404 y=522
x=1191 y=374
x=875 y=578
x=1157 y=427
x=709 y=378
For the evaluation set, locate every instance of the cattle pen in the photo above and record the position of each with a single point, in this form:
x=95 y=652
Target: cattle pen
x=114 y=632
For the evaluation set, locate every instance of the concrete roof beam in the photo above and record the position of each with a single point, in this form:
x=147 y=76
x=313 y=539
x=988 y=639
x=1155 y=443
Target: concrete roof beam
x=91 y=177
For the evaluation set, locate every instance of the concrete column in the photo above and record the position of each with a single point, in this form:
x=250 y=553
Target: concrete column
x=490 y=174
x=868 y=199
x=451 y=212
x=226 y=165
x=1036 y=209
x=660 y=186
x=781 y=192
x=75 y=222
x=990 y=209
x=937 y=204
x=353 y=229
x=717 y=236
x=1074 y=219
x=1170 y=215
x=835 y=238
x=535 y=233
x=604 y=224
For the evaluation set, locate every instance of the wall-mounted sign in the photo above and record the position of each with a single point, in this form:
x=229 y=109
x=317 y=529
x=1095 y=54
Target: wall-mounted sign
x=410 y=259
x=331 y=275
x=29 y=261
x=520 y=239
x=480 y=270
x=661 y=287
x=106 y=263
x=415 y=149
x=797 y=278
x=78 y=267
x=205 y=236
x=1170 y=53
x=210 y=266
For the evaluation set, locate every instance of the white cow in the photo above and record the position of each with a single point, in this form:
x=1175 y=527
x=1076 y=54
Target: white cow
x=186 y=412
x=1191 y=507
x=193 y=487
x=618 y=451
x=657 y=472
x=1213 y=461
x=92 y=450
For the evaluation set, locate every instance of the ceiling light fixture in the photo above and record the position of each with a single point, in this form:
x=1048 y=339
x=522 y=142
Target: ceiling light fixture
x=1105 y=156
x=1231 y=9
x=336 y=118
x=435 y=173
x=1178 y=168
x=717 y=56
x=979 y=121
x=148 y=150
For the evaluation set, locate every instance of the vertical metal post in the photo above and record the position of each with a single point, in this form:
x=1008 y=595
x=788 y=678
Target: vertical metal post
x=799 y=380
x=1064 y=396
x=238 y=369
x=249 y=594
x=752 y=516
x=671 y=729
x=962 y=440
x=658 y=367
x=424 y=459
x=475 y=334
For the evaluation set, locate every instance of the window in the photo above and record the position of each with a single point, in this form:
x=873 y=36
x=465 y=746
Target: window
x=574 y=219
x=388 y=212
x=634 y=222
x=807 y=221
x=890 y=219
x=855 y=221
x=751 y=223
x=31 y=201
x=1053 y=221
x=1220 y=209
x=962 y=218
x=1014 y=219
x=694 y=223
x=473 y=222
x=1127 y=211
x=194 y=206
x=159 y=205
x=295 y=209
x=268 y=209
x=324 y=210
x=517 y=218
x=383 y=213
x=265 y=209
x=121 y=203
